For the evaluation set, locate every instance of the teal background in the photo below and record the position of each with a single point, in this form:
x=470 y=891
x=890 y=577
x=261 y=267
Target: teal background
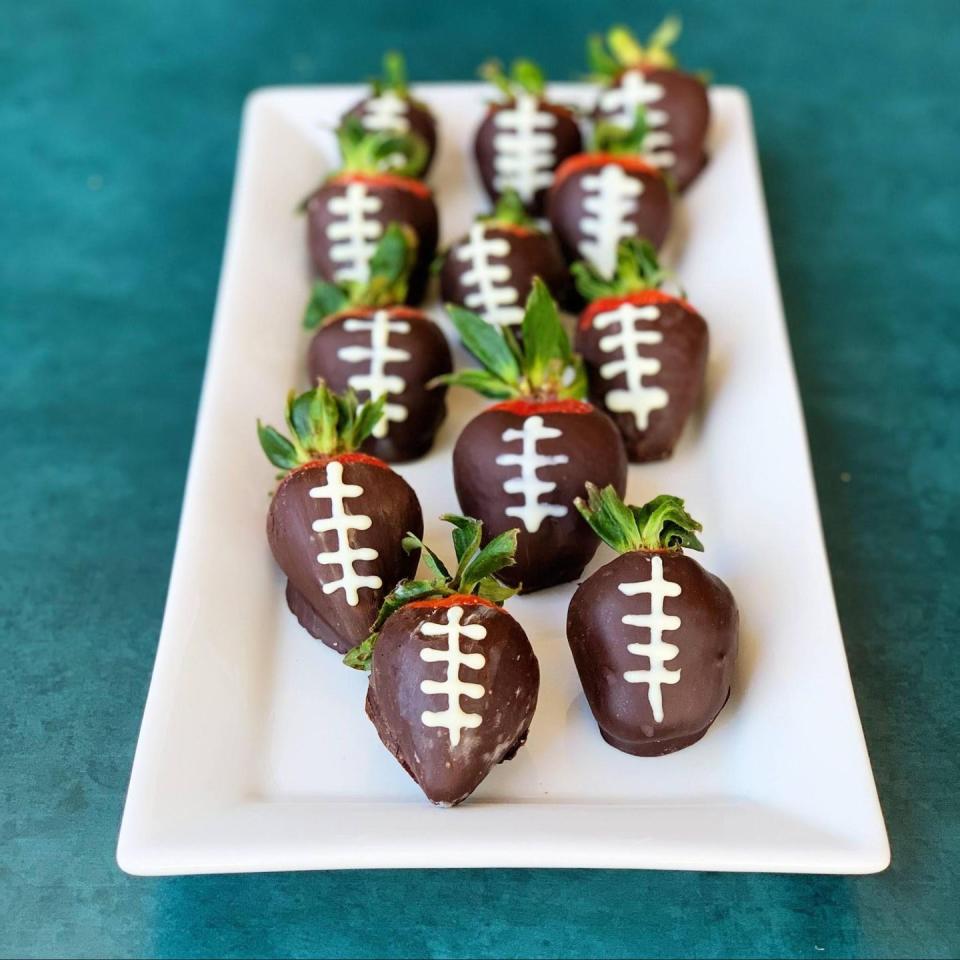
x=118 y=128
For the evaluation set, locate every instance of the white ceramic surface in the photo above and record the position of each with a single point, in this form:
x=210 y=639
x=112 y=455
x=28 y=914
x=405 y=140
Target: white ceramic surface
x=255 y=753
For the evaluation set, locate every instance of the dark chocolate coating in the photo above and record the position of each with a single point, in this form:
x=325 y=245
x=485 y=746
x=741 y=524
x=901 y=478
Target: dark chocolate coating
x=565 y=206
x=510 y=678
x=398 y=204
x=567 y=138
x=683 y=362
x=562 y=546
x=393 y=508
x=707 y=651
x=687 y=106
x=429 y=357
x=531 y=254
x=422 y=122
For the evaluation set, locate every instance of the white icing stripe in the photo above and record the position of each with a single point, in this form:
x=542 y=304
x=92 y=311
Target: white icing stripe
x=610 y=198
x=345 y=555
x=495 y=298
x=524 y=148
x=637 y=398
x=376 y=380
x=635 y=90
x=387 y=112
x=656 y=621
x=528 y=484
x=454 y=718
x=352 y=233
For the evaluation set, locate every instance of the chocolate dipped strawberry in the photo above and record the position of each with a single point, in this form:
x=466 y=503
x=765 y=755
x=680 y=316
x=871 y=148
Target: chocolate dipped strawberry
x=653 y=634
x=645 y=350
x=367 y=344
x=524 y=138
x=390 y=108
x=607 y=195
x=520 y=464
x=675 y=104
x=337 y=517
x=453 y=678
x=490 y=271
x=348 y=214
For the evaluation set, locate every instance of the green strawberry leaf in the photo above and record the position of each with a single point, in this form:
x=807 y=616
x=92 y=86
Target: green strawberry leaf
x=279 y=450
x=412 y=542
x=496 y=555
x=490 y=588
x=664 y=522
x=486 y=384
x=528 y=77
x=661 y=524
x=326 y=299
x=467 y=533
x=367 y=418
x=486 y=343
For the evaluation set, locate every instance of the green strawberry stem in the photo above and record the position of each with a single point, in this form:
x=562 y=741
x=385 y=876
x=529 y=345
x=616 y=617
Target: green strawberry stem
x=509 y=211
x=610 y=137
x=321 y=424
x=379 y=151
x=661 y=524
x=394 y=76
x=475 y=576
x=620 y=50
x=637 y=269
x=390 y=267
x=542 y=367
x=525 y=77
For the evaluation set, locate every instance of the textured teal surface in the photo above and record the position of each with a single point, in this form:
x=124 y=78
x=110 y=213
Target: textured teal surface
x=118 y=126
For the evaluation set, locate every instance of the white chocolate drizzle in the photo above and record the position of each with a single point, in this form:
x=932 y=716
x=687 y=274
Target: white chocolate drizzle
x=376 y=380
x=524 y=148
x=636 y=90
x=495 y=298
x=611 y=197
x=532 y=512
x=637 y=398
x=454 y=718
x=353 y=233
x=657 y=651
x=387 y=112
x=343 y=522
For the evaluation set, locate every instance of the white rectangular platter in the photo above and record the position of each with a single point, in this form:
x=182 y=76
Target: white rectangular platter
x=255 y=753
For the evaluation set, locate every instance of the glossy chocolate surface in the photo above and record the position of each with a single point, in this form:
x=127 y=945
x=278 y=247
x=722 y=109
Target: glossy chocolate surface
x=510 y=679
x=649 y=218
x=681 y=354
x=526 y=254
x=406 y=204
x=706 y=651
x=562 y=545
x=392 y=508
x=567 y=142
x=394 y=349
x=686 y=104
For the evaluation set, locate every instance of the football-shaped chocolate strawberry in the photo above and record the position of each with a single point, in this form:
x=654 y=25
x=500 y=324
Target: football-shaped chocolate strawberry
x=453 y=678
x=653 y=634
x=365 y=343
x=490 y=271
x=675 y=104
x=337 y=518
x=645 y=351
x=349 y=213
x=522 y=140
x=520 y=464
x=607 y=195
x=391 y=108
